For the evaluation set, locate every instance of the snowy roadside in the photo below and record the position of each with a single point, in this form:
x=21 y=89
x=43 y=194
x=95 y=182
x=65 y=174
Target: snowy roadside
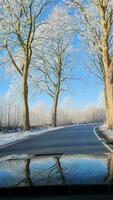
x=8 y=138
x=107 y=133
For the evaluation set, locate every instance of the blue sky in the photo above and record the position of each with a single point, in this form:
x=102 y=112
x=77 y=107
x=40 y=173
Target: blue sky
x=81 y=93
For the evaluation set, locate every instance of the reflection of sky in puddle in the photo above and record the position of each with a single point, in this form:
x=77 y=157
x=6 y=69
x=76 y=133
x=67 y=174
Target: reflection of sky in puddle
x=67 y=169
x=84 y=170
x=6 y=178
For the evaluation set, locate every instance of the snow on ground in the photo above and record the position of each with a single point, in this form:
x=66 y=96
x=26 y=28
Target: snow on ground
x=7 y=138
x=106 y=131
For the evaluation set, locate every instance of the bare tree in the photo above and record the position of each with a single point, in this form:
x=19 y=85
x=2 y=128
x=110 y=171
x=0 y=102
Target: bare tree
x=19 y=21
x=94 y=23
x=56 y=56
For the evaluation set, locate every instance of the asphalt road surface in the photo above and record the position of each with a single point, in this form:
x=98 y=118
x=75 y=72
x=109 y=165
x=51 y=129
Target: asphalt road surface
x=74 y=139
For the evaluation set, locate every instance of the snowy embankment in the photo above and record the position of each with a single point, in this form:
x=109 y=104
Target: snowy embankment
x=107 y=132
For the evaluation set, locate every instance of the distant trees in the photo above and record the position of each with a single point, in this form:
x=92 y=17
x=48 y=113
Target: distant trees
x=93 y=114
x=56 y=56
x=19 y=21
x=40 y=115
x=10 y=115
x=68 y=114
x=94 y=23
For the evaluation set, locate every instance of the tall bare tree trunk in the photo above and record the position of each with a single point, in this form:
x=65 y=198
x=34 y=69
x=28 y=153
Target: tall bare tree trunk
x=54 y=110
x=108 y=69
x=25 y=108
x=106 y=106
x=109 y=102
x=55 y=99
x=110 y=96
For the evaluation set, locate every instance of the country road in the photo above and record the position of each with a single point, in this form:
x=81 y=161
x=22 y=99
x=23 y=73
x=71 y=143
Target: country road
x=74 y=139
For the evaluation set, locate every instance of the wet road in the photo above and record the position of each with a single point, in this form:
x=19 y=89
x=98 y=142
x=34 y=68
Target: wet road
x=70 y=140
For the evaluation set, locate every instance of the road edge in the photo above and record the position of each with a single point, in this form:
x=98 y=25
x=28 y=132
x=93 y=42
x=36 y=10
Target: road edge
x=41 y=132
x=104 y=143
x=31 y=136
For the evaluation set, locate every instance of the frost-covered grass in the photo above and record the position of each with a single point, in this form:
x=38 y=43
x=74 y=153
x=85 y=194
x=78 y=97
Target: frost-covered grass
x=106 y=131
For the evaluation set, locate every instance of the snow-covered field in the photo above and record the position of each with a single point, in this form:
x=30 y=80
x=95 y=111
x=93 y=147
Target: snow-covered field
x=106 y=131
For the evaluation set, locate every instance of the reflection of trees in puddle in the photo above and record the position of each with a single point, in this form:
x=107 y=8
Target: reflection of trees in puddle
x=56 y=171
x=109 y=177
x=28 y=180
x=35 y=170
x=26 y=174
x=53 y=170
x=20 y=169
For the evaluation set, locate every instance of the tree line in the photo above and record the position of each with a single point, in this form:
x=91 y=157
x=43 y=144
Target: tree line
x=40 y=114
x=39 y=49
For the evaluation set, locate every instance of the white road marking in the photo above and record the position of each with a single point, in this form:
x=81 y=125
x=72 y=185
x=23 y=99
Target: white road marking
x=107 y=146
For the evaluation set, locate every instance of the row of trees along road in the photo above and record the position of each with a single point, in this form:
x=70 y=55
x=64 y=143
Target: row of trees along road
x=42 y=49
x=94 y=23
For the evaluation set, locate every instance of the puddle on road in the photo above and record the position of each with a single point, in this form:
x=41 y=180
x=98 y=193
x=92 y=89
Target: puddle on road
x=51 y=170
